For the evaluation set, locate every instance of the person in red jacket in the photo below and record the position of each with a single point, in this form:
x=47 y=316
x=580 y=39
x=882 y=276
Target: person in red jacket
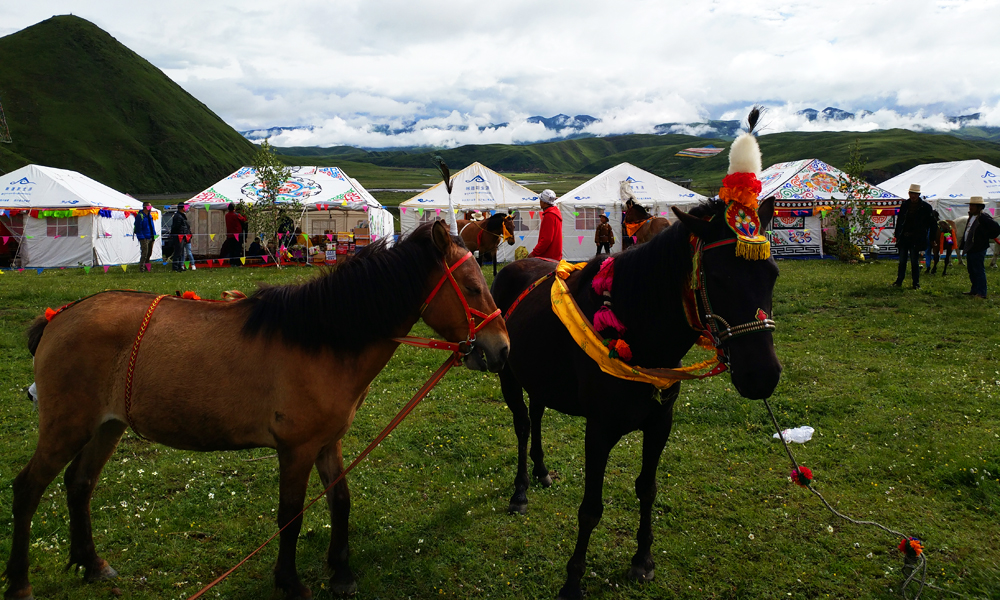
x=232 y=248
x=550 y=237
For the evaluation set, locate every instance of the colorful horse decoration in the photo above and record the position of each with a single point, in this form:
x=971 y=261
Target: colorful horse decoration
x=707 y=278
x=311 y=374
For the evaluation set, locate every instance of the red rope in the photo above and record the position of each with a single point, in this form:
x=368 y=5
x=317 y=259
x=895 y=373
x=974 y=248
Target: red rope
x=453 y=360
x=132 y=359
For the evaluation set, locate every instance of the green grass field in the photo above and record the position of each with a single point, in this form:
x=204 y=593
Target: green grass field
x=902 y=387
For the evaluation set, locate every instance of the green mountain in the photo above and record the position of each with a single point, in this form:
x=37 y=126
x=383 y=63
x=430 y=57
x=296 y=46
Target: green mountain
x=888 y=153
x=76 y=98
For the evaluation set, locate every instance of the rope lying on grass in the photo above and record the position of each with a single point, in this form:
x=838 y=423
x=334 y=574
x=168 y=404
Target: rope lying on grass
x=915 y=559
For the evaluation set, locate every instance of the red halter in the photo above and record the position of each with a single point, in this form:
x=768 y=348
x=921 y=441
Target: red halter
x=464 y=347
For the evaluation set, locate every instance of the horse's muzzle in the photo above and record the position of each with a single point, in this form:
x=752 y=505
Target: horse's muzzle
x=489 y=353
x=754 y=366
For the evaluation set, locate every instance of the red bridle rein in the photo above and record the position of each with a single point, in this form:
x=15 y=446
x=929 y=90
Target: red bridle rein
x=464 y=347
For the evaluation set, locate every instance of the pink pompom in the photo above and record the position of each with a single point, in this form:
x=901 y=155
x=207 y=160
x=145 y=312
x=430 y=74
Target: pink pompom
x=604 y=319
x=602 y=281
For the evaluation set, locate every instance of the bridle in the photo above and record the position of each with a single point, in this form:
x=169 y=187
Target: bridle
x=708 y=321
x=463 y=348
x=504 y=235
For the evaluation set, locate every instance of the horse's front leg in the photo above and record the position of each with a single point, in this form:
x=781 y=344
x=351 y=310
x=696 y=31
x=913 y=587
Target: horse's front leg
x=947 y=261
x=330 y=464
x=513 y=394
x=81 y=478
x=540 y=471
x=654 y=438
x=598 y=446
x=497 y=250
x=294 y=464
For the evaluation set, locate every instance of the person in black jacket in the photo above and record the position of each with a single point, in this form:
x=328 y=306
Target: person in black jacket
x=914 y=223
x=980 y=229
x=180 y=231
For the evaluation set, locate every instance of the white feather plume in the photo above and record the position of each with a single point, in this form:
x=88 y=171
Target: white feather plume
x=744 y=155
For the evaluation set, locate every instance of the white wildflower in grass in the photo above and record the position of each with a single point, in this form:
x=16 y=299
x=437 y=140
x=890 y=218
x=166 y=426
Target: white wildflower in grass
x=829 y=528
x=211 y=496
x=750 y=536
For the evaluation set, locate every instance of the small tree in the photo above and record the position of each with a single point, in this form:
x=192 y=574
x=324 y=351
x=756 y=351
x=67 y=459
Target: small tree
x=268 y=215
x=853 y=219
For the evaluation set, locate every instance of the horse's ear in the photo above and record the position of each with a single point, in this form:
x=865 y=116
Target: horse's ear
x=697 y=226
x=765 y=212
x=441 y=236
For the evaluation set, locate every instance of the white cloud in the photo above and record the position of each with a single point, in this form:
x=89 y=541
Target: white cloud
x=345 y=65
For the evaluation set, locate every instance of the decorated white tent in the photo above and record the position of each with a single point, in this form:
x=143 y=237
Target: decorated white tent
x=64 y=219
x=581 y=207
x=803 y=190
x=948 y=186
x=477 y=187
x=331 y=200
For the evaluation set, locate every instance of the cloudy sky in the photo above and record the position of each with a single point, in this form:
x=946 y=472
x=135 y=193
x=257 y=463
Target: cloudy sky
x=350 y=67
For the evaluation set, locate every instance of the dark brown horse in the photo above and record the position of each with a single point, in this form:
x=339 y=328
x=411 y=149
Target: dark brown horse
x=641 y=225
x=485 y=236
x=301 y=399
x=943 y=239
x=647 y=289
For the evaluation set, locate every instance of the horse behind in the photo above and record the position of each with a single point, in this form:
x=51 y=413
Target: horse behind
x=641 y=225
x=943 y=239
x=648 y=293
x=485 y=236
x=310 y=376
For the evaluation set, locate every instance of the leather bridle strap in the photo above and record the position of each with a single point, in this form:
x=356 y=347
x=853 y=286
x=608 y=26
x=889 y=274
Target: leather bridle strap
x=464 y=347
x=712 y=320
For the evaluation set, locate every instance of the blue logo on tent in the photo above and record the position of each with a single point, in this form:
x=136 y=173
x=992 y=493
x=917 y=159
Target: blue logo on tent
x=424 y=200
x=70 y=201
x=987 y=174
x=630 y=179
x=476 y=179
x=955 y=195
x=691 y=195
x=581 y=197
x=22 y=181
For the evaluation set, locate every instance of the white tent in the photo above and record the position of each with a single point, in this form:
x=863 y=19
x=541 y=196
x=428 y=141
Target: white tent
x=948 y=186
x=477 y=188
x=64 y=219
x=802 y=189
x=581 y=207
x=332 y=201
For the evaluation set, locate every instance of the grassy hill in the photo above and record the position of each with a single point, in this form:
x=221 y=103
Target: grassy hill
x=888 y=153
x=76 y=98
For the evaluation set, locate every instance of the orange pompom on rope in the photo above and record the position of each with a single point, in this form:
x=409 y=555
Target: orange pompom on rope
x=915 y=559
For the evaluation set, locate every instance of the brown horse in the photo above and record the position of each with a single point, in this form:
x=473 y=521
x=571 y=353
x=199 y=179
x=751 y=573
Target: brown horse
x=641 y=225
x=485 y=236
x=300 y=400
x=943 y=238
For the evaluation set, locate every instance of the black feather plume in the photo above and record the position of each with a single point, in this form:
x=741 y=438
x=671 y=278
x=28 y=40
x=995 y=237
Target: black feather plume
x=445 y=173
x=754 y=117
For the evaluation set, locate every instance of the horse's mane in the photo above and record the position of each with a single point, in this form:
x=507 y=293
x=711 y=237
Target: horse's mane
x=363 y=300
x=645 y=274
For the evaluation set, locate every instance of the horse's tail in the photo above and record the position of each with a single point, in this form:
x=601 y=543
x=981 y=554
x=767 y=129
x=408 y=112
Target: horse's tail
x=35 y=333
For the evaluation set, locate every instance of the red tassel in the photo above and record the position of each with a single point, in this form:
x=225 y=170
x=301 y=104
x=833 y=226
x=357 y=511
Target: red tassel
x=49 y=313
x=604 y=318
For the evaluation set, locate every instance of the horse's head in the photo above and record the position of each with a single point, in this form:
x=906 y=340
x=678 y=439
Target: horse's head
x=460 y=302
x=738 y=293
x=508 y=229
x=635 y=212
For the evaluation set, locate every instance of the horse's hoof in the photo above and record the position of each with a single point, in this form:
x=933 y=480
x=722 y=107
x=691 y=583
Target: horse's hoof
x=344 y=588
x=24 y=594
x=104 y=573
x=517 y=508
x=546 y=481
x=302 y=593
x=641 y=575
x=565 y=594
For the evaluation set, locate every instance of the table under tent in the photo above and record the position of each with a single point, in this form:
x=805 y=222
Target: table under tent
x=58 y=218
x=806 y=192
x=948 y=186
x=335 y=207
x=478 y=188
x=582 y=207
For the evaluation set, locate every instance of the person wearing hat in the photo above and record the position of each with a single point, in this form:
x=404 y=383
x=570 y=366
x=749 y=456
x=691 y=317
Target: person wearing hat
x=914 y=223
x=550 y=232
x=980 y=229
x=604 y=237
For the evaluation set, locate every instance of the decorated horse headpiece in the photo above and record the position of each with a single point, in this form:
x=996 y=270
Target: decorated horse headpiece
x=740 y=189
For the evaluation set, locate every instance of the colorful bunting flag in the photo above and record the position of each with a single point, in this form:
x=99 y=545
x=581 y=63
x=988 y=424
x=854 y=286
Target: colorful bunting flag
x=243 y=260
x=124 y=268
x=86 y=269
x=402 y=209
x=211 y=236
x=40 y=270
x=531 y=214
x=105 y=268
x=580 y=239
x=265 y=259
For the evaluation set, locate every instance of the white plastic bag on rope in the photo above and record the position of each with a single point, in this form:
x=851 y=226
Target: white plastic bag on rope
x=799 y=435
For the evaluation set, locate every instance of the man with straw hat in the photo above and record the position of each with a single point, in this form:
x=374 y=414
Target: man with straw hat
x=914 y=223
x=980 y=229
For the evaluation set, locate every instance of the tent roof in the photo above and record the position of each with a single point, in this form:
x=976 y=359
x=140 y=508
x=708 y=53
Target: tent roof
x=314 y=187
x=949 y=180
x=603 y=189
x=37 y=186
x=809 y=179
x=476 y=186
